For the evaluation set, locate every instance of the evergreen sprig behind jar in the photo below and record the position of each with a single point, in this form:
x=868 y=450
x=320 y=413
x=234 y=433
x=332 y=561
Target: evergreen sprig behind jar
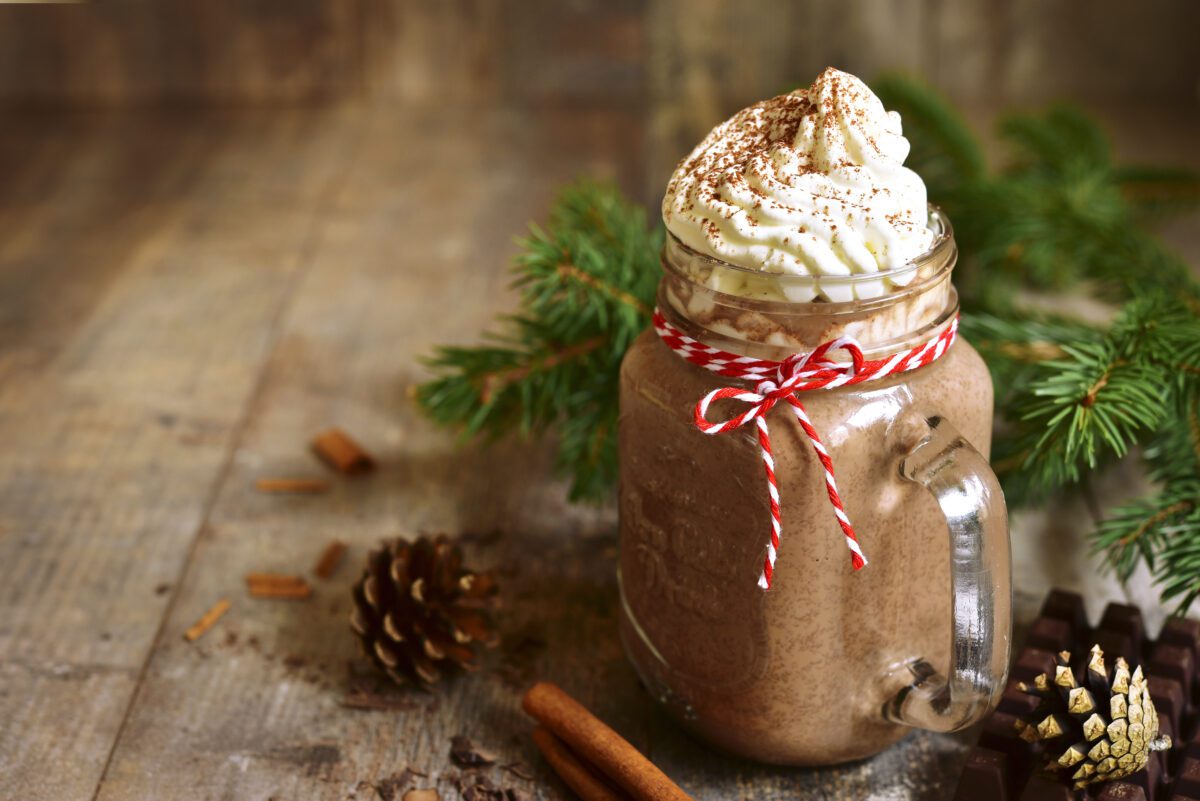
x=798 y=592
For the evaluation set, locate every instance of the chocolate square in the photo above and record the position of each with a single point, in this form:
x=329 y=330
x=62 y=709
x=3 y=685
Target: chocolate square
x=1032 y=662
x=1068 y=606
x=1049 y=634
x=984 y=778
x=1173 y=662
x=1173 y=675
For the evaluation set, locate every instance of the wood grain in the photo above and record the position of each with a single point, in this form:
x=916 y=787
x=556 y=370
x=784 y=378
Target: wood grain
x=137 y=313
x=254 y=708
x=700 y=59
x=186 y=298
x=253 y=721
x=1024 y=51
x=193 y=373
x=122 y=52
x=127 y=52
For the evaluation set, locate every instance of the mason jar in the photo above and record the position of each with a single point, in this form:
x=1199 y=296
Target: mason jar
x=831 y=664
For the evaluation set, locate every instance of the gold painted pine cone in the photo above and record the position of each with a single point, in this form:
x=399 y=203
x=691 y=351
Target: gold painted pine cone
x=418 y=614
x=1097 y=732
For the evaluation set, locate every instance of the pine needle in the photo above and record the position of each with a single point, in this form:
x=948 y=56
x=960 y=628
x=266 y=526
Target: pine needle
x=586 y=282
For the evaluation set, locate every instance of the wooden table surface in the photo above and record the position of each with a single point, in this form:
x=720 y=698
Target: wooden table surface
x=185 y=299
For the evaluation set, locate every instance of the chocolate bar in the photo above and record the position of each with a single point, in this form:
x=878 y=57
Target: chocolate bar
x=1005 y=767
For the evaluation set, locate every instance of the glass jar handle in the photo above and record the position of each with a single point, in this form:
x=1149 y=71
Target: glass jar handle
x=969 y=495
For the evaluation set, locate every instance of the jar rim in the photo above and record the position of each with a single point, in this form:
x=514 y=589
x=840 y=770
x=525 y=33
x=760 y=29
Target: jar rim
x=940 y=255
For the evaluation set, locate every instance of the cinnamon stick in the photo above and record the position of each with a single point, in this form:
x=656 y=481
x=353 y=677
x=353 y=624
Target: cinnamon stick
x=294 y=592
x=275 y=585
x=575 y=774
x=598 y=745
x=339 y=451
x=421 y=795
x=207 y=621
x=331 y=557
x=299 y=486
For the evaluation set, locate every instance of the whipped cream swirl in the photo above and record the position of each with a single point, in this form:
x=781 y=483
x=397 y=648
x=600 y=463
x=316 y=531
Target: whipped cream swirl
x=809 y=183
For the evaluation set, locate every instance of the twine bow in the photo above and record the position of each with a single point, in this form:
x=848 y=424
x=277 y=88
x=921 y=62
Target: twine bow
x=777 y=381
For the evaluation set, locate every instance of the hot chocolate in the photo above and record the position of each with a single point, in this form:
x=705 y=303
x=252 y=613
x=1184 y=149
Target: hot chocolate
x=825 y=666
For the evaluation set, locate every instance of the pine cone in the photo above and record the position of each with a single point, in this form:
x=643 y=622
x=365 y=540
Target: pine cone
x=1095 y=733
x=418 y=614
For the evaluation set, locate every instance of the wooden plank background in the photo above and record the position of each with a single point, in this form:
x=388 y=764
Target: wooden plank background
x=684 y=63
x=530 y=51
x=234 y=282
x=225 y=226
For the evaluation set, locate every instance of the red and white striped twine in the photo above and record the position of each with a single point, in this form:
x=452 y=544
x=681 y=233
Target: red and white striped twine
x=781 y=381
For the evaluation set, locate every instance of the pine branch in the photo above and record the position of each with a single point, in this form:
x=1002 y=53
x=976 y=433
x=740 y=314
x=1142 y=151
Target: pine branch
x=512 y=385
x=591 y=282
x=1178 y=566
x=1061 y=142
x=1057 y=215
x=1135 y=532
x=1110 y=392
x=1072 y=399
x=495 y=381
x=586 y=283
x=1156 y=192
x=1015 y=346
